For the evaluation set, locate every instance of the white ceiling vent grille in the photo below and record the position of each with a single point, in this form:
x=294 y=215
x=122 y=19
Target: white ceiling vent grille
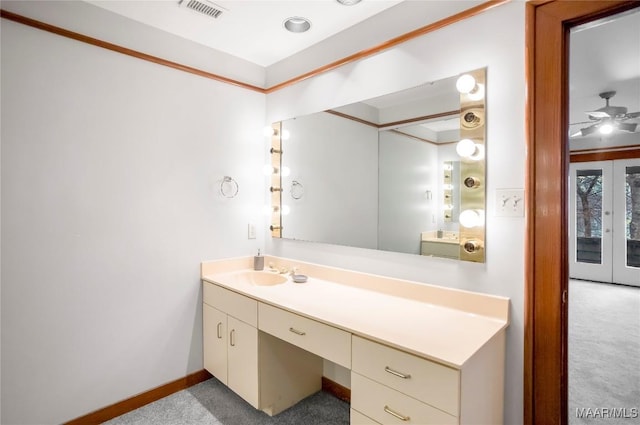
x=203 y=6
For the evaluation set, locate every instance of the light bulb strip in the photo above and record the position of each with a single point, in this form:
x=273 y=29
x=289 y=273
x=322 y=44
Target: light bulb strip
x=472 y=167
x=275 y=178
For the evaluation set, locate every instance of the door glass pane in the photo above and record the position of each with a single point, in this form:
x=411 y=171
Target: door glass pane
x=589 y=216
x=632 y=217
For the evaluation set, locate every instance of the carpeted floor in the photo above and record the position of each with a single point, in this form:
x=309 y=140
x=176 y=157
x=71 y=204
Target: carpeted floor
x=604 y=353
x=212 y=403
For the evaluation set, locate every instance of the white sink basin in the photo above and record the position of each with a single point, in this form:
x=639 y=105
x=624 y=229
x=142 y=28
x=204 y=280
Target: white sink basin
x=258 y=278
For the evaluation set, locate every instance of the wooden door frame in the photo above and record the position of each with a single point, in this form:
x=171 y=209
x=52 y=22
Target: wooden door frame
x=546 y=265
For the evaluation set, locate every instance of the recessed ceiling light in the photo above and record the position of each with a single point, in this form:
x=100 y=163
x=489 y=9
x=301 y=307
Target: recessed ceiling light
x=348 y=2
x=297 y=24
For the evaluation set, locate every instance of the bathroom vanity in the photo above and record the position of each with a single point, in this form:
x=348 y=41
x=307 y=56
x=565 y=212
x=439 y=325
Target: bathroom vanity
x=418 y=354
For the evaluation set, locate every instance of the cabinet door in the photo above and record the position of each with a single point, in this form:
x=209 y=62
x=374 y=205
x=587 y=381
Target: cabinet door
x=214 y=330
x=243 y=360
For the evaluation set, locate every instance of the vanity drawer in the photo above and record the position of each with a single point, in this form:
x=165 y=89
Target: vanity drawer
x=388 y=406
x=232 y=303
x=422 y=379
x=326 y=341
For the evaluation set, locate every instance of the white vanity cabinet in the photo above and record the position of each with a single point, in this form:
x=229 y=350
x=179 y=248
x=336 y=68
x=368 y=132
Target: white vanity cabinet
x=326 y=341
x=418 y=354
x=389 y=385
x=230 y=338
x=250 y=362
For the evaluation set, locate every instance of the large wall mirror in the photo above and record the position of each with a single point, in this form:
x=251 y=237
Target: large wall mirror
x=404 y=172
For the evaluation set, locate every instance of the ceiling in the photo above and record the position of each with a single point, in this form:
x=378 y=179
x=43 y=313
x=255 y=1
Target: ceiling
x=604 y=56
x=249 y=29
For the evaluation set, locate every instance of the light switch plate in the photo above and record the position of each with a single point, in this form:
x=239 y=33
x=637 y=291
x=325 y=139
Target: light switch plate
x=251 y=231
x=509 y=202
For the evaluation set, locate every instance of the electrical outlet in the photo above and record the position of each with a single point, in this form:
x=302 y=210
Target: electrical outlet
x=251 y=231
x=510 y=203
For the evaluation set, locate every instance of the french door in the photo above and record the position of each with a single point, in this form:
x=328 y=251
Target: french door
x=604 y=221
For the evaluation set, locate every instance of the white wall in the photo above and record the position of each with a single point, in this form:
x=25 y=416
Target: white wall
x=110 y=174
x=494 y=39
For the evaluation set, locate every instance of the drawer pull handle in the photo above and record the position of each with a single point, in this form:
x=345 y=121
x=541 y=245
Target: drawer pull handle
x=219 y=330
x=396 y=373
x=297 y=332
x=396 y=414
x=232 y=338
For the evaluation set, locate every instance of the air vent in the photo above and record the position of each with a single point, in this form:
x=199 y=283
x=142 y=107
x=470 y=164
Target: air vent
x=203 y=6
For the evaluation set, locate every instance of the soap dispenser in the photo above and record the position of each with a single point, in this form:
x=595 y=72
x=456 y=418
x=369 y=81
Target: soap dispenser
x=258 y=262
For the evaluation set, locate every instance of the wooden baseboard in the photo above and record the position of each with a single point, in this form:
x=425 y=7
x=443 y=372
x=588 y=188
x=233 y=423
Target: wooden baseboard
x=335 y=389
x=132 y=403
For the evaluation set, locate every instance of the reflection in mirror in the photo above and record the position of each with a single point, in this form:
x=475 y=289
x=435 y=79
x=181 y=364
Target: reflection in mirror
x=380 y=174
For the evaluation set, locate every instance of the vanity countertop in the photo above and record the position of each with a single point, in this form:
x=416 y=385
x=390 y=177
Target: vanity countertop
x=441 y=324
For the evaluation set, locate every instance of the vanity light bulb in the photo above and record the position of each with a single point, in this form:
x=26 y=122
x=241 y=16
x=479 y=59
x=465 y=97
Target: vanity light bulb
x=285 y=210
x=471 y=218
x=268 y=131
x=477 y=93
x=270 y=169
x=285 y=135
x=268 y=210
x=465 y=83
x=606 y=128
x=447 y=167
x=466 y=148
x=447 y=186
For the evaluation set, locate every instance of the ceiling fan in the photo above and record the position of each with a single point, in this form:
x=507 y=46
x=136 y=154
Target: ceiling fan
x=608 y=118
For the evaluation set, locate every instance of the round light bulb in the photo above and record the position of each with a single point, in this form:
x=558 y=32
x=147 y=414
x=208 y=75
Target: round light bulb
x=285 y=210
x=285 y=171
x=466 y=148
x=268 y=131
x=267 y=170
x=606 y=128
x=471 y=218
x=285 y=135
x=465 y=83
x=477 y=93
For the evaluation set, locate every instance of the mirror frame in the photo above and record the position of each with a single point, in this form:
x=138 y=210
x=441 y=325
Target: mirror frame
x=473 y=115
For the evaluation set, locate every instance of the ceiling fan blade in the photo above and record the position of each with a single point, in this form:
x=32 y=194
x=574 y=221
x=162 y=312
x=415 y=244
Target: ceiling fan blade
x=631 y=115
x=581 y=122
x=598 y=114
x=588 y=130
x=627 y=126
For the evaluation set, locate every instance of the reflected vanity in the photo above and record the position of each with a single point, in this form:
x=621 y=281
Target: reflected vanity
x=402 y=172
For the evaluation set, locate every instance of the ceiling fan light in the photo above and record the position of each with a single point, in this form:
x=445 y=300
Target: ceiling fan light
x=348 y=2
x=606 y=128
